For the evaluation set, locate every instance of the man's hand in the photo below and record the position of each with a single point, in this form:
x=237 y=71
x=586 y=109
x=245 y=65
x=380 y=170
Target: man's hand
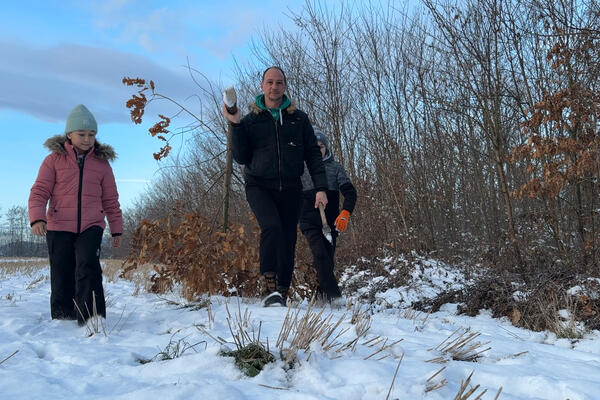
x=39 y=228
x=233 y=118
x=341 y=222
x=117 y=241
x=320 y=198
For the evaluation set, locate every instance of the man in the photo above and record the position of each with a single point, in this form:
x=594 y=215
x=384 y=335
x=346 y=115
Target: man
x=273 y=142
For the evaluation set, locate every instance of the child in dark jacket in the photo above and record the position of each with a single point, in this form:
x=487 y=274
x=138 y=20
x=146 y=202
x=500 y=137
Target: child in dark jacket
x=74 y=192
x=310 y=220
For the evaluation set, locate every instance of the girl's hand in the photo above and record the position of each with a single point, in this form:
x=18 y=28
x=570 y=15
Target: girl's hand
x=39 y=228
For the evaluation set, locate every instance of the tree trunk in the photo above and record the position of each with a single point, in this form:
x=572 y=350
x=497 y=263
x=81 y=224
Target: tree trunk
x=227 y=180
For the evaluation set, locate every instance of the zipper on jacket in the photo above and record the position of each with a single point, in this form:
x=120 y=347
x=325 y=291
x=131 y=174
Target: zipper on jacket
x=80 y=162
x=278 y=155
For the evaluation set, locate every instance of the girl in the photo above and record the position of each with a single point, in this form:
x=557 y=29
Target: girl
x=311 y=226
x=77 y=181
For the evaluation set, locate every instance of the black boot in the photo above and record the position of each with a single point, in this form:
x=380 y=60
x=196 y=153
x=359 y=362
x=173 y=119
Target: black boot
x=283 y=291
x=271 y=296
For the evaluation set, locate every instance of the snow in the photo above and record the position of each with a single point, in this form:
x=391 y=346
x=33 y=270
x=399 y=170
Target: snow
x=58 y=359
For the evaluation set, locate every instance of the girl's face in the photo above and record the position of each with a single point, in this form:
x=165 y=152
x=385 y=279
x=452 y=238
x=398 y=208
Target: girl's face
x=322 y=147
x=82 y=140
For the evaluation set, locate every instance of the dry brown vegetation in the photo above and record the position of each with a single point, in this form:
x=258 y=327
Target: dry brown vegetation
x=9 y=266
x=185 y=248
x=28 y=265
x=538 y=306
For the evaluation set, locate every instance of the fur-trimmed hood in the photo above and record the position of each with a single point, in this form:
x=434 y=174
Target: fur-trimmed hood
x=56 y=144
x=255 y=109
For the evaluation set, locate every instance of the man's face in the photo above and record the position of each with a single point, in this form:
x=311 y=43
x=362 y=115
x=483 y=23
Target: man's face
x=273 y=86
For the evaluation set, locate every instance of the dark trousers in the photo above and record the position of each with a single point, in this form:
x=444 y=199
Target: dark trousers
x=277 y=213
x=75 y=273
x=323 y=254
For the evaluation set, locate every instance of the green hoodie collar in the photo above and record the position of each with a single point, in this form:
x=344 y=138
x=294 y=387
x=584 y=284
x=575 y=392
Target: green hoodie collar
x=275 y=112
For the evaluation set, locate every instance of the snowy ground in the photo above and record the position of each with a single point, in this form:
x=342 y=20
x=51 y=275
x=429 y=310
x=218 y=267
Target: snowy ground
x=59 y=360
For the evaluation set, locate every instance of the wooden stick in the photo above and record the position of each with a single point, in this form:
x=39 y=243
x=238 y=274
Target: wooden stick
x=395 y=373
x=15 y=352
x=273 y=387
x=498 y=393
x=434 y=375
x=438 y=385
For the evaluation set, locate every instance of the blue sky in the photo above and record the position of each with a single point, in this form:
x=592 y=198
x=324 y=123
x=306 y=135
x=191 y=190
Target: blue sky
x=57 y=54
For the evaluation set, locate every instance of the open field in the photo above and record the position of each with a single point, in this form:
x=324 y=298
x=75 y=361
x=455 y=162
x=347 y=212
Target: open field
x=28 y=265
x=13 y=265
x=111 y=269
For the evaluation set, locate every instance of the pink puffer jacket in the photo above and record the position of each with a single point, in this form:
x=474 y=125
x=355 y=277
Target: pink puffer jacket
x=59 y=182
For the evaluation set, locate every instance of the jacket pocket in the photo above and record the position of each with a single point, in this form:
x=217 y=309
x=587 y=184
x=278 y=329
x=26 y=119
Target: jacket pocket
x=292 y=160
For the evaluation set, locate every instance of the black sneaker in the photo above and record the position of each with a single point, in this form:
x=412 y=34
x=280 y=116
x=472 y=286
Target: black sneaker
x=273 y=299
x=283 y=291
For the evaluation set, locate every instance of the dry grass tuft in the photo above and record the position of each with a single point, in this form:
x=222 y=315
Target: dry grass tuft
x=384 y=346
x=460 y=345
x=241 y=327
x=432 y=385
x=361 y=321
x=298 y=332
x=419 y=318
x=173 y=349
x=560 y=315
x=465 y=391
x=93 y=322
x=251 y=355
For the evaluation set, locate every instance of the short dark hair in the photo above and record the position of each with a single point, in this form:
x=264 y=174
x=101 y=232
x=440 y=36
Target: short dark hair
x=277 y=68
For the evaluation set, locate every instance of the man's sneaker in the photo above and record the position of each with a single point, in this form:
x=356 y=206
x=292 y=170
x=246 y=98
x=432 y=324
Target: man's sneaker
x=274 y=299
x=271 y=296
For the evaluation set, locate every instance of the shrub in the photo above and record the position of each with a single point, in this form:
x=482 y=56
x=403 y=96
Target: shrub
x=185 y=249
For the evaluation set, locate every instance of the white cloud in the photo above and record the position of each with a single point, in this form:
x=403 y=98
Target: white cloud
x=217 y=28
x=48 y=82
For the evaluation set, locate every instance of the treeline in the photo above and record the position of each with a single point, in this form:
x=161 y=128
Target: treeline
x=469 y=128
x=17 y=240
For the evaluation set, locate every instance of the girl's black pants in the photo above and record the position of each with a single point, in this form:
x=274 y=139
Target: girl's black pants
x=323 y=257
x=75 y=274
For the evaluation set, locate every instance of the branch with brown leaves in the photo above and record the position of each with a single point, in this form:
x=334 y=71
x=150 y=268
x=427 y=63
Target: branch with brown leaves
x=137 y=106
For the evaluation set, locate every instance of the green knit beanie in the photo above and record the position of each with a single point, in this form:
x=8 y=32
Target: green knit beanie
x=81 y=119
